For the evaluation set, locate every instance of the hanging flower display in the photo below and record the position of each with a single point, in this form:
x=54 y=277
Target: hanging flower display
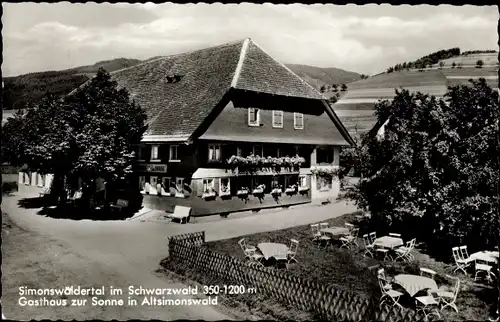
x=324 y=172
x=255 y=162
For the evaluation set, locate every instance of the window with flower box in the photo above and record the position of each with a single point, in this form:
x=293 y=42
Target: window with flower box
x=225 y=187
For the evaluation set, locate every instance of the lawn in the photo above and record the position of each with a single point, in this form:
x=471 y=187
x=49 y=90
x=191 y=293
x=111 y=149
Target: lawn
x=348 y=269
x=398 y=79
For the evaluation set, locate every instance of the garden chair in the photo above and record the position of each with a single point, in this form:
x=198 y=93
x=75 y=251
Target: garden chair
x=247 y=250
x=381 y=275
x=281 y=258
x=315 y=231
x=369 y=246
x=404 y=252
x=427 y=271
x=373 y=236
x=428 y=305
x=350 y=239
x=388 y=294
x=463 y=252
x=449 y=298
x=395 y=235
x=292 y=251
x=483 y=269
x=462 y=263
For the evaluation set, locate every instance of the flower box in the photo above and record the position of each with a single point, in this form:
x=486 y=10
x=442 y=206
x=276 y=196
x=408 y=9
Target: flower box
x=303 y=189
x=276 y=191
x=243 y=192
x=290 y=190
x=208 y=195
x=258 y=191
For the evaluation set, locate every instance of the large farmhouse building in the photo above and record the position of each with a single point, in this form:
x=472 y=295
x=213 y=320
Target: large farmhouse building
x=232 y=129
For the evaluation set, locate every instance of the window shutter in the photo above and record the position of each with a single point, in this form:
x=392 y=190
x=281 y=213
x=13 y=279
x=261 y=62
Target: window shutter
x=308 y=181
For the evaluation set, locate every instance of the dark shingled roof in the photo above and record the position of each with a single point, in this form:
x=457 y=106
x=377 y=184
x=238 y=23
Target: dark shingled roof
x=176 y=110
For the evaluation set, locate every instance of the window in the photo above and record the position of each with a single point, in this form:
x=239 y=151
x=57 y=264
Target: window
x=298 y=121
x=302 y=182
x=208 y=185
x=142 y=182
x=238 y=151
x=257 y=150
x=141 y=153
x=278 y=119
x=324 y=155
x=225 y=186
x=173 y=153
x=154 y=153
x=253 y=116
x=166 y=184
x=179 y=184
x=214 y=152
x=324 y=183
x=278 y=153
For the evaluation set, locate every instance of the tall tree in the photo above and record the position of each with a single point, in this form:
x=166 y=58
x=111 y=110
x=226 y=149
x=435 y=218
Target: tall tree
x=343 y=88
x=87 y=135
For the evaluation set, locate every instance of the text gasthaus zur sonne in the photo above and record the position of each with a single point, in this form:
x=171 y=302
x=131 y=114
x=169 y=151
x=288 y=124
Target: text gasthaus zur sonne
x=114 y=296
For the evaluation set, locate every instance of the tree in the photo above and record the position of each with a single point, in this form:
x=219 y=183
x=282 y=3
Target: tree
x=479 y=64
x=441 y=64
x=335 y=87
x=453 y=65
x=459 y=65
x=436 y=167
x=343 y=88
x=322 y=89
x=13 y=139
x=87 y=135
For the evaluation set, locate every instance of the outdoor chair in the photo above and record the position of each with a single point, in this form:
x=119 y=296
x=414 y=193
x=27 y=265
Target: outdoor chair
x=323 y=225
x=404 y=252
x=483 y=269
x=395 y=235
x=373 y=236
x=319 y=237
x=247 y=250
x=315 y=231
x=427 y=271
x=427 y=305
x=462 y=263
x=449 y=298
x=388 y=294
x=463 y=252
x=350 y=239
x=292 y=251
x=281 y=258
x=381 y=275
x=369 y=246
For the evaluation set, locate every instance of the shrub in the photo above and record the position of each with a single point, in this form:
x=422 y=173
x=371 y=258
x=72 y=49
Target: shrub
x=8 y=187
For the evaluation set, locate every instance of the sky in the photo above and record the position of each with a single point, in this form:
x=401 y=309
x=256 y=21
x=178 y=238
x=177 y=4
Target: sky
x=365 y=39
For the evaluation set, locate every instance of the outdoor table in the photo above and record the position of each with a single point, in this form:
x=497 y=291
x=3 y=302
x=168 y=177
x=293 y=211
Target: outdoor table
x=388 y=242
x=272 y=249
x=335 y=231
x=415 y=283
x=487 y=256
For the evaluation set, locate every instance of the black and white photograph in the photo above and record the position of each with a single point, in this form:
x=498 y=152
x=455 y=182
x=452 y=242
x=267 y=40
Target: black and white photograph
x=250 y=161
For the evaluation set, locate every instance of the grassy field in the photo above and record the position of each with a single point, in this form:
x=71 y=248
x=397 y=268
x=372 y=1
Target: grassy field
x=398 y=79
x=347 y=269
x=486 y=71
x=470 y=60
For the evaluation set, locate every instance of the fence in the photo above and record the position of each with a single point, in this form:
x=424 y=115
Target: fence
x=325 y=301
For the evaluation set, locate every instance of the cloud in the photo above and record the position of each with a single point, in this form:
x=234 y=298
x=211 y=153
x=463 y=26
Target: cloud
x=365 y=39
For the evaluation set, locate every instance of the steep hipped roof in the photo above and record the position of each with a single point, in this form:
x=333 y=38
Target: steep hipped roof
x=176 y=109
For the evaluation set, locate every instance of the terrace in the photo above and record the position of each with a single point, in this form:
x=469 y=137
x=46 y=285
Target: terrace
x=343 y=258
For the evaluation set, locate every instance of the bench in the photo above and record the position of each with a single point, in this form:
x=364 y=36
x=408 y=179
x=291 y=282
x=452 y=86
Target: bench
x=120 y=204
x=181 y=213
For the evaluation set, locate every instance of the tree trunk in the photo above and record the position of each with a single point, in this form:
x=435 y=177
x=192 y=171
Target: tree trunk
x=57 y=190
